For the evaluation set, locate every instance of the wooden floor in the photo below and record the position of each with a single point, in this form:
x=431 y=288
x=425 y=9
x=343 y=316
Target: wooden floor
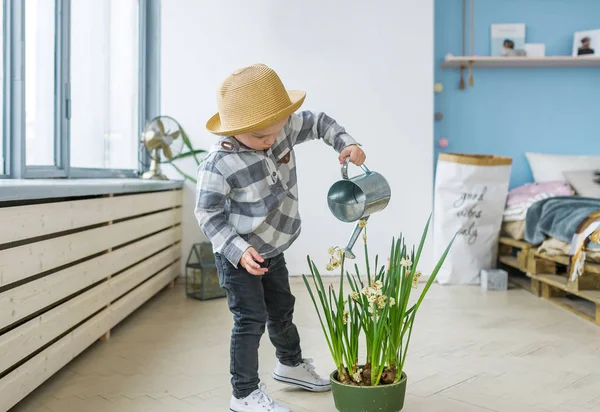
x=470 y=351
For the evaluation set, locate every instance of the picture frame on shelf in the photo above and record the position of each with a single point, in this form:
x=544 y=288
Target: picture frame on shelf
x=507 y=40
x=586 y=43
x=535 y=49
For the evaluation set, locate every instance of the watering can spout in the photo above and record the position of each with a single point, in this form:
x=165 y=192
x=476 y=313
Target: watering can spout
x=353 y=238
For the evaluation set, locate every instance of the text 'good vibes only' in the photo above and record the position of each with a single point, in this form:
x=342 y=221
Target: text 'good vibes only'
x=468 y=205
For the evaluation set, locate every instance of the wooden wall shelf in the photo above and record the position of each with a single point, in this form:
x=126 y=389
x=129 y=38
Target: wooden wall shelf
x=499 y=62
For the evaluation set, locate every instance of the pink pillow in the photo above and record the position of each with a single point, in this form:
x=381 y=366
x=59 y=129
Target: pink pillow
x=523 y=193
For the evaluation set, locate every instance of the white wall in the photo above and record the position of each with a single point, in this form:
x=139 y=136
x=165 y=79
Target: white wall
x=367 y=64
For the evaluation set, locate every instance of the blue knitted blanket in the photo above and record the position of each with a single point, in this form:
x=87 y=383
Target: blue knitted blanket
x=558 y=217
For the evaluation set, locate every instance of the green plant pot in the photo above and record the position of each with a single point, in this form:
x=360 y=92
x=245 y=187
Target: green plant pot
x=381 y=398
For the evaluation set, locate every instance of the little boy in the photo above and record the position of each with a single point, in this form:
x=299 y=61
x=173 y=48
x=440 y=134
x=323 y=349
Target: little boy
x=247 y=206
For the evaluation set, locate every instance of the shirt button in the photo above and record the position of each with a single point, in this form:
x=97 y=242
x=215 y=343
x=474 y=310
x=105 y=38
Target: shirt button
x=274 y=174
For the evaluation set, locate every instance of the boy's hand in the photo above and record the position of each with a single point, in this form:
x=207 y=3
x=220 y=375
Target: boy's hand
x=248 y=262
x=357 y=156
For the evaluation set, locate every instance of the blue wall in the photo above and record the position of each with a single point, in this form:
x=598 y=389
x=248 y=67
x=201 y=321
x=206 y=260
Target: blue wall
x=512 y=111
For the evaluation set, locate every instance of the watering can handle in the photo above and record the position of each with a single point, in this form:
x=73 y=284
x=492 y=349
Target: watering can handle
x=345 y=168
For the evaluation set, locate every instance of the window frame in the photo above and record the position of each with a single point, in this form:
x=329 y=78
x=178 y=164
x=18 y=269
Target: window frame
x=6 y=62
x=14 y=92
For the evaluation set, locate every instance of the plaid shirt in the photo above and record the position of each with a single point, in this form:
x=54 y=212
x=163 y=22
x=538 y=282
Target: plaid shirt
x=249 y=197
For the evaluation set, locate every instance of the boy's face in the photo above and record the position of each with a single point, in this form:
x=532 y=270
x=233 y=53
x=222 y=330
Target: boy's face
x=262 y=139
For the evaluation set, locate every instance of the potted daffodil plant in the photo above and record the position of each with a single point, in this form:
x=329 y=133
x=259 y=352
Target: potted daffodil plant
x=378 y=309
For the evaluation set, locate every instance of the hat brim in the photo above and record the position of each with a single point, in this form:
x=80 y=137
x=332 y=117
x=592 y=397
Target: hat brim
x=214 y=123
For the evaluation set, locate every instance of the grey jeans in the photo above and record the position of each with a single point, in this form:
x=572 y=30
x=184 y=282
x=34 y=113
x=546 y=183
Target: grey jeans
x=256 y=301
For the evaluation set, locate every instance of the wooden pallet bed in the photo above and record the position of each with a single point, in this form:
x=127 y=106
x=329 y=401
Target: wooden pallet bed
x=514 y=255
x=546 y=276
x=555 y=289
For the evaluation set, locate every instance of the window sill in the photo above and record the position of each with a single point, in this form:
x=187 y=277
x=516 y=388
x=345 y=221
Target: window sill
x=29 y=189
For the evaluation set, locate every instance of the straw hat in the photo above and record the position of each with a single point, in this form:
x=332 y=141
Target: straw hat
x=250 y=99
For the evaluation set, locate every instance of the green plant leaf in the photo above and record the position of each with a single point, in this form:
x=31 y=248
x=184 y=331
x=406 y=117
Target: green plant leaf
x=423 y=237
x=188 y=143
x=434 y=273
x=185 y=175
x=388 y=330
x=319 y=316
x=188 y=154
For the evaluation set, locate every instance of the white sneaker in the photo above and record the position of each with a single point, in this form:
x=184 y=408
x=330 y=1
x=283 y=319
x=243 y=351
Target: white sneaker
x=256 y=401
x=303 y=376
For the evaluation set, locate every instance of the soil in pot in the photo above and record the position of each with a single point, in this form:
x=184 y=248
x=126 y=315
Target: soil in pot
x=380 y=398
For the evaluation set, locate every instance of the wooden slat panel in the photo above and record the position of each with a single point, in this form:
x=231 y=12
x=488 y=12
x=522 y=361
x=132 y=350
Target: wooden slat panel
x=31 y=297
x=579 y=307
x=30 y=259
x=127 y=281
x=24 y=222
x=133 y=300
x=511 y=261
x=503 y=240
x=16 y=385
x=561 y=282
x=27 y=338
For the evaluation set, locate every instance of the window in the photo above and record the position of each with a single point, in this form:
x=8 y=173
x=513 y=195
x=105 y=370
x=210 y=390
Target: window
x=104 y=83
x=82 y=79
x=39 y=82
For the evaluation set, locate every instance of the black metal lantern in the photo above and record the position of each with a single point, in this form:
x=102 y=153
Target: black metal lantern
x=201 y=278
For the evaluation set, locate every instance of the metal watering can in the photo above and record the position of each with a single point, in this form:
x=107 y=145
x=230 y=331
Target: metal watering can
x=355 y=199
